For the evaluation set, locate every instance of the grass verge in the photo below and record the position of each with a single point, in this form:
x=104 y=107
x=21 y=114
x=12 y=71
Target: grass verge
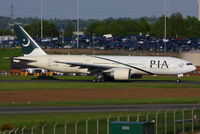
x=7 y=52
x=64 y=86
x=120 y=101
x=30 y=120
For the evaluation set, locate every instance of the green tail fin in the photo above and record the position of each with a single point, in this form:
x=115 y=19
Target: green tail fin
x=28 y=45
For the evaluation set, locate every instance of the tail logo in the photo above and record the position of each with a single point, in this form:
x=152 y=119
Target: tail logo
x=27 y=44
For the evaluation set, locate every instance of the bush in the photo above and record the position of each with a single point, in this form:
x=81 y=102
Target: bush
x=6 y=127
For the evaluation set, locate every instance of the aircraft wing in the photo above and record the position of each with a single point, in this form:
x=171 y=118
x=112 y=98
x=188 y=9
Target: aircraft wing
x=92 y=68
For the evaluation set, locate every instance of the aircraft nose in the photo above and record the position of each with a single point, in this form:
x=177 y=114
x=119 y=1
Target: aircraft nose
x=193 y=68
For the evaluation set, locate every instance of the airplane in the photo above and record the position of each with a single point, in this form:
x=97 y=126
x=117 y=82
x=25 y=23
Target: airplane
x=101 y=66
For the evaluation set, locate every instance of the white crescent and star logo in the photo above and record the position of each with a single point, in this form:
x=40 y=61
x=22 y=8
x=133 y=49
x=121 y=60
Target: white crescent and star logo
x=28 y=43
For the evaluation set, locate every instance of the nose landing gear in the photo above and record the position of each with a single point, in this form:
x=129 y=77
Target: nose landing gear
x=179 y=77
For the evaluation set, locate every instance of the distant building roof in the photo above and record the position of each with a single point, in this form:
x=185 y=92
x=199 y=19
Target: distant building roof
x=195 y=51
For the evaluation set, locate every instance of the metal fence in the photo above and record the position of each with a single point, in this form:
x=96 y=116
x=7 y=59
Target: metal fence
x=166 y=122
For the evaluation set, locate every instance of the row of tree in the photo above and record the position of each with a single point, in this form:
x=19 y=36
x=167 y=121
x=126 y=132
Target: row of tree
x=49 y=29
x=5 y=32
x=177 y=27
x=119 y=27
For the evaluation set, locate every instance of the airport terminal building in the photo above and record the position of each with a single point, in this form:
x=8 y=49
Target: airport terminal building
x=194 y=58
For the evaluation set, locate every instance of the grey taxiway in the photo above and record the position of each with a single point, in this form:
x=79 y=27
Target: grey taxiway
x=111 y=108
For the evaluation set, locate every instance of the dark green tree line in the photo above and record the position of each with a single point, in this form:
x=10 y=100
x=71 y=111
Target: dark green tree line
x=119 y=27
x=49 y=29
x=6 y=32
x=177 y=27
x=69 y=29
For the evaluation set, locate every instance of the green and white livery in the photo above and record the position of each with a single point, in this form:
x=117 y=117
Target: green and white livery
x=28 y=45
x=115 y=67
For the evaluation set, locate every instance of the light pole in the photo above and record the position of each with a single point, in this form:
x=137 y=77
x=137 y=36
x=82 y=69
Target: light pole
x=77 y=23
x=198 y=1
x=165 y=25
x=62 y=32
x=93 y=44
x=41 y=19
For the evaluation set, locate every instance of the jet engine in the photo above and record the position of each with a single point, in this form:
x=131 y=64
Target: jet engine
x=121 y=74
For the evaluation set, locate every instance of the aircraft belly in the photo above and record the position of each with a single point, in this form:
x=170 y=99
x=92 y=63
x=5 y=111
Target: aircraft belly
x=135 y=71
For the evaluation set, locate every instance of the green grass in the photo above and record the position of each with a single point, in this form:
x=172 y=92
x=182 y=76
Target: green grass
x=42 y=85
x=62 y=85
x=7 y=52
x=30 y=120
x=67 y=85
x=53 y=117
x=170 y=78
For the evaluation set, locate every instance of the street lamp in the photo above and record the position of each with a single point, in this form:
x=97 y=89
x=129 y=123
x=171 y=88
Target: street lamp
x=165 y=25
x=77 y=23
x=94 y=44
x=41 y=19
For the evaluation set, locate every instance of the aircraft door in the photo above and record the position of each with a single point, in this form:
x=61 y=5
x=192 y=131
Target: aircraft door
x=49 y=62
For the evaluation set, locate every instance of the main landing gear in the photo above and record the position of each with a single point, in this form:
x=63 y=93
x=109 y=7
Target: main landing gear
x=179 y=77
x=99 y=78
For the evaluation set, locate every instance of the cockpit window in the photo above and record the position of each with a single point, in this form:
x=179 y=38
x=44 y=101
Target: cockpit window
x=188 y=64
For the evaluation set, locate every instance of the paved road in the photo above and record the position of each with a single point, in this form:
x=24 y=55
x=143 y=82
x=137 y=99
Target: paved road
x=112 y=108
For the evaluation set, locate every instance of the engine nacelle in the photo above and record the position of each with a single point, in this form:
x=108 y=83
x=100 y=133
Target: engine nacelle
x=121 y=74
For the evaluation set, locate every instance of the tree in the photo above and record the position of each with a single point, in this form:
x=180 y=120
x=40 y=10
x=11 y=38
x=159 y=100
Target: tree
x=176 y=26
x=6 y=32
x=49 y=29
x=33 y=29
x=114 y=27
x=157 y=28
x=144 y=26
x=69 y=29
x=97 y=28
x=192 y=26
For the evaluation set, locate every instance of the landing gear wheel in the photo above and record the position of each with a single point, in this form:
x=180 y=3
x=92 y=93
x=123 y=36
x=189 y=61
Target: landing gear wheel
x=179 y=77
x=99 y=78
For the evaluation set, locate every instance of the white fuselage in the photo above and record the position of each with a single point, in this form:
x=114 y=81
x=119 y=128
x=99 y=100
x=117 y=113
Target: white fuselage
x=137 y=64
